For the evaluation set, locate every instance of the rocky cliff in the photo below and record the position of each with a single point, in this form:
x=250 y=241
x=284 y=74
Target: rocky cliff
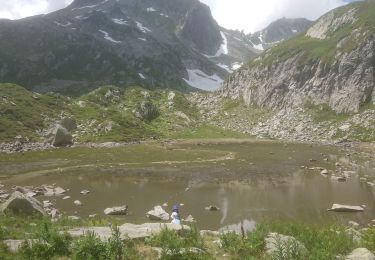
x=333 y=64
x=316 y=86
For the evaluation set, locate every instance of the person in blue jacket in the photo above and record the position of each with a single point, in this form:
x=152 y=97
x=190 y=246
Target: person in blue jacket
x=175 y=216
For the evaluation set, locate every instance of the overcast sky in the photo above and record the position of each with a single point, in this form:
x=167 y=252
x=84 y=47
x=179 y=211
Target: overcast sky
x=249 y=15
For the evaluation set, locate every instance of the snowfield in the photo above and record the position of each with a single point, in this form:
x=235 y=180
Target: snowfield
x=199 y=79
x=120 y=21
x=223 y=47
x=142 y=28
x=107 y=37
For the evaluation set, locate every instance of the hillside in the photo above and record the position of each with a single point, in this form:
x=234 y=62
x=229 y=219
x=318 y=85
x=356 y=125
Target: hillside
x=153 y=44
x=315 y=86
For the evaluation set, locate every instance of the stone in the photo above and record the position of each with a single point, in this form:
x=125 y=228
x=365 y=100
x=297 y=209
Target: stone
x=360 y=254
x=346 y=208
x=324 y=172
x=116 y=211
x=15 y=245
x=20 y=204
x=59 y=136
x=74 y=218
x=50 y=191
x=274 y=241
x=66 y=198
x=85 y=192
x=189 y=219
x=212 y=208
x=127 y=231
x=353 y=224
x=158 y=213
x=77 y=203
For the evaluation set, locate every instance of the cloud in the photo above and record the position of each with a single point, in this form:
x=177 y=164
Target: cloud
x=253 y=15
x=16 y=9
x=250 y=15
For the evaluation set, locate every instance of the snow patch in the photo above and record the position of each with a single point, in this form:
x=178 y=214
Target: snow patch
x=294 y=31
x=236 y=65
x=142 y=28
x=80 y=17
x=63 y=25
x=120 y=21
x=221 y=65
x=199 y=79
x=90 y=6
x=223 y=47
x=107 y=37
x=166 y=16
x=150 y=9
x=142 y=39
x=141 y=75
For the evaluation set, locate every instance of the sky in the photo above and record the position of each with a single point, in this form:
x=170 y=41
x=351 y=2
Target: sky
x=247 y=15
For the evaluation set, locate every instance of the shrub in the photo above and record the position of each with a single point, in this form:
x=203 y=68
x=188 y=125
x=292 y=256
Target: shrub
x=89 y=247
x=49 y=243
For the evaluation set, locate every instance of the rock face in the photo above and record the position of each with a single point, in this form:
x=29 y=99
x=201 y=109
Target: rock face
x=291 y=76
x=278 y=31
x=360 y=254
x=59 y=136
x=346 y=208
x=21 y=204
x=121 y=210
x=158 y=213
x=200 y=22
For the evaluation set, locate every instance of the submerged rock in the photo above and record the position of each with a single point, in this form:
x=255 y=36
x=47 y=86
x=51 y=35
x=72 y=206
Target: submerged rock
x=19 y=203
x=158 y=213
x=115 y=211
x=346 y=208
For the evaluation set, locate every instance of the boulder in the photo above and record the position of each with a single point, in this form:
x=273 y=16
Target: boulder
x=189 y=219
x=360 y=254
x=59 y=136
x=275 y=242
x=346 y=208
x=116 y=211
x=68 y=123
x=158 y=213
x=19 y=203
x=324 y=172
x=212 y=208
x=127 y=231
x=77 y=203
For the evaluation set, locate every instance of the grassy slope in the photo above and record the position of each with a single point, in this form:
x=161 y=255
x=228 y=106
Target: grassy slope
x=23 y=112
x=27 y=114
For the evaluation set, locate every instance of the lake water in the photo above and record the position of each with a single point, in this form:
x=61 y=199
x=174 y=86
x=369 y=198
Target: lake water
x=248 y=181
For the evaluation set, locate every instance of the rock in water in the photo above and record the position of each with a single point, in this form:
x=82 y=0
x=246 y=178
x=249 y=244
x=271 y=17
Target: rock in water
x=158 y=213
x=346 y=208
x=212 y=208
x=360 y=254
x=19 y=203
x=116 y=211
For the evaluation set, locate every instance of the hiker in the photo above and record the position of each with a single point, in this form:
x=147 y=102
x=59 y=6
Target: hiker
x=175 y=216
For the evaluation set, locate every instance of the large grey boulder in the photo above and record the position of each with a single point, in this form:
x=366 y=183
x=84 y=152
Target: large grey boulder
x=346 y=208
x=158 y=213
x=127 y=231
x=116 y=211
x=59 y=136
x=360 y=254
x=20 y=204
